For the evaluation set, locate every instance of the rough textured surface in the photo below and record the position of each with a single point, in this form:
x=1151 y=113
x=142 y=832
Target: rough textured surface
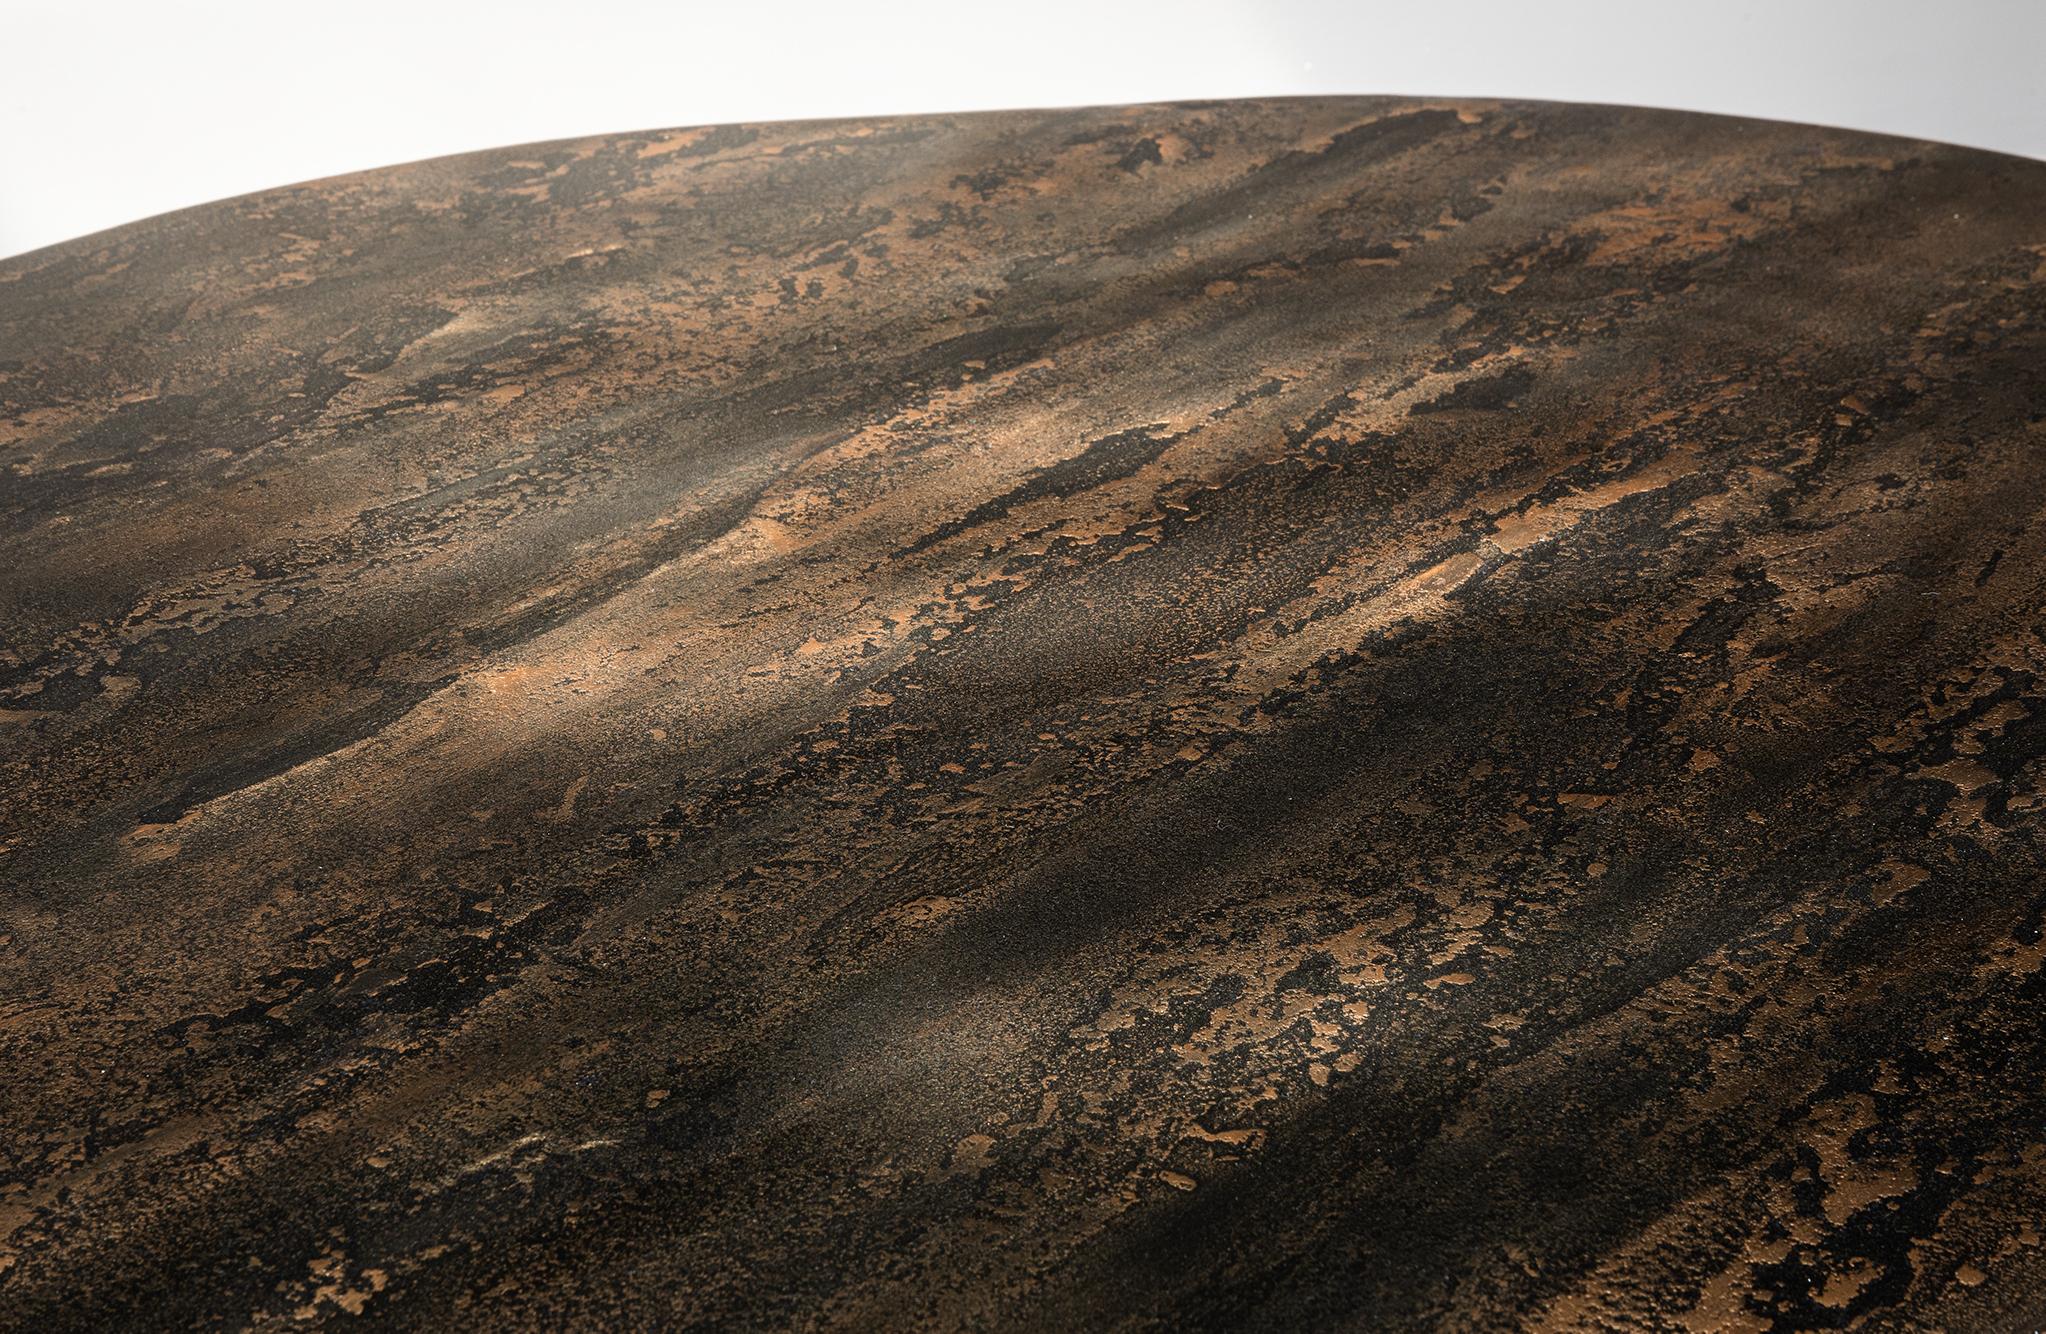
x=1381 y=713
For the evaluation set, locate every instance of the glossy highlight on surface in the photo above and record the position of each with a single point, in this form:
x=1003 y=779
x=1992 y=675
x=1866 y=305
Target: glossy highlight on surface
x=1349 y=712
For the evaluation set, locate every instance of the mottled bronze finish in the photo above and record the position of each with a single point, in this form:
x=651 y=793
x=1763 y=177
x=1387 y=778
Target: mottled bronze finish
x=1347 y=712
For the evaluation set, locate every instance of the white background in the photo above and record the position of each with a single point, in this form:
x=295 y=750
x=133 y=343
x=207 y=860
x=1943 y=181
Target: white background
x=112 y=110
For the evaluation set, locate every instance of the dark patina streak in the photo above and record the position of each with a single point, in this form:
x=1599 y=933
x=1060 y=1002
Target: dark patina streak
x=1283 y=714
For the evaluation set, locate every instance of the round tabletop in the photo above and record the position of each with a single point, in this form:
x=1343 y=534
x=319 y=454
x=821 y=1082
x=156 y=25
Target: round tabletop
x=1282 y=713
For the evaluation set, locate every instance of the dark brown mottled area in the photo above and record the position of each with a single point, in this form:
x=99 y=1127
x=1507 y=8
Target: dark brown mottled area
x=1275 y=714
